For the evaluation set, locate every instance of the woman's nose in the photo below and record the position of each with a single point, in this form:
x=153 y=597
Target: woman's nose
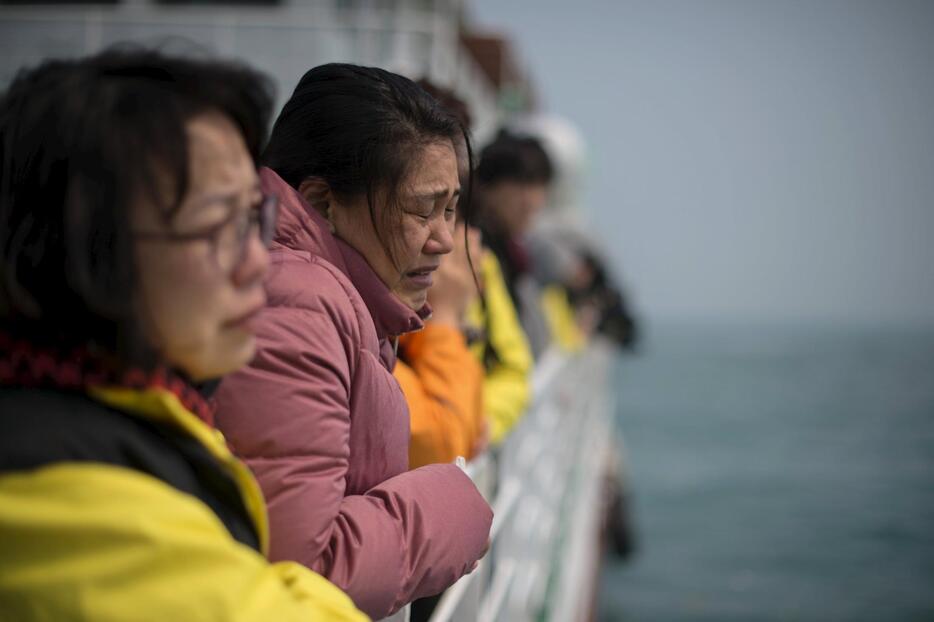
x=254 y=264
x=441 y=240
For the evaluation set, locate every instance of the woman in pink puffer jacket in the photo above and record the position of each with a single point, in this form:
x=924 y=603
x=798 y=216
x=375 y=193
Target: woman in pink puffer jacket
x=363 y=162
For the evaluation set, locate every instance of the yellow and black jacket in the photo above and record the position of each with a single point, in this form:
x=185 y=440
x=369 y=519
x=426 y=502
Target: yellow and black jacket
x=504 y=352
x=121 y=504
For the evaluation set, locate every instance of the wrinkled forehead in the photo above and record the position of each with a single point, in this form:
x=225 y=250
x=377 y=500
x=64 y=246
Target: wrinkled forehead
x=218 y=157
x=220 y=172
x=434 y=171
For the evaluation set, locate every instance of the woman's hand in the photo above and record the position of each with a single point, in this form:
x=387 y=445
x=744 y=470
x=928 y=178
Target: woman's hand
x=454 y=287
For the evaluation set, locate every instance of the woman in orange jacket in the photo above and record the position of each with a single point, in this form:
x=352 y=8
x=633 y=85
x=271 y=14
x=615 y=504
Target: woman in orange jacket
x=439 y=375
x=441 y=378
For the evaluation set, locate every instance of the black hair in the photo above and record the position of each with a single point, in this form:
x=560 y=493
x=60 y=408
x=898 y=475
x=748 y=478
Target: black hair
x=80 y=141
x=359 y=130
x=511 y=157
x=449 y=100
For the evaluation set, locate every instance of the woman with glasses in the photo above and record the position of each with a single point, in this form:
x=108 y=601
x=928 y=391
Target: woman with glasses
x=364 y=163
x=132 y=236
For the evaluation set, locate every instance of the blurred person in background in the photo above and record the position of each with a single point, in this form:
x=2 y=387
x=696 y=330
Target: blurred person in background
x=364 y=163
x=595 y=293
x=513 y=176
x=499 y=342
x=439 y=375
x=580 y=295
x=132 y=234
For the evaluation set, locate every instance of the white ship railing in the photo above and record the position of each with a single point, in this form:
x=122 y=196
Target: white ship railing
x=544 y=484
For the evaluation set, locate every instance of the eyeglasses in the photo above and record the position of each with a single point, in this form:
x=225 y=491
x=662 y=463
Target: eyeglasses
x=229 y=237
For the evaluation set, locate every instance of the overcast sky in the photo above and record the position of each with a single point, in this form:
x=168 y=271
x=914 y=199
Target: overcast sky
x=749 y=158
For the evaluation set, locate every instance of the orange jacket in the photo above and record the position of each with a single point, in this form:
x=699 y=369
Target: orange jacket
x=443 y=385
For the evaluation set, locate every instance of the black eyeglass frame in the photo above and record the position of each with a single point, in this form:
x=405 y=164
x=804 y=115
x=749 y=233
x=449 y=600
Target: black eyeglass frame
x=263 y=216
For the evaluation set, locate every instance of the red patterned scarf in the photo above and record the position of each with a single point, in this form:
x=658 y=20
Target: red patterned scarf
x=22 y=364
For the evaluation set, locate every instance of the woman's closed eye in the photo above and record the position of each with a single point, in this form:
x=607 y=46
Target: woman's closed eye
x=423 y=210
x=442 y=203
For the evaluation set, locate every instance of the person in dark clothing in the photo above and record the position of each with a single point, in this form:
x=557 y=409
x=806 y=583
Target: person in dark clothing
x=597 y=290
x=513 y=176
x=133 y=250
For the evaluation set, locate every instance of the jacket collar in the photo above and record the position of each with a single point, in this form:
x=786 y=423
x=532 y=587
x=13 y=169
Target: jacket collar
x=162 y=405
x=24 y=364
x=302 y=228
x=158 y=395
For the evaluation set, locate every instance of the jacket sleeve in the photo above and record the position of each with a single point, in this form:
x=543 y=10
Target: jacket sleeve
x=562 y=322
x=443 y=384
x=87 y=541
x=288 y=415
x=506 y=388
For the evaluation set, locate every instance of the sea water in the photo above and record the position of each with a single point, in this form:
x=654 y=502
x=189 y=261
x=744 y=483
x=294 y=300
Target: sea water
x=778 y=472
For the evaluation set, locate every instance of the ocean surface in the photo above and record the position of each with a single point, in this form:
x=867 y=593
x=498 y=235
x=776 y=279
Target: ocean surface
x=778 y=473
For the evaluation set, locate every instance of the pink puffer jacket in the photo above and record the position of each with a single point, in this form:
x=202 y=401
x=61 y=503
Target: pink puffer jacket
x=323 y=424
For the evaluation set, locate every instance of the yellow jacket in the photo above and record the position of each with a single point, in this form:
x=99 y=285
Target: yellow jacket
x=562 y=322
x=89 y=540
x=505 y=352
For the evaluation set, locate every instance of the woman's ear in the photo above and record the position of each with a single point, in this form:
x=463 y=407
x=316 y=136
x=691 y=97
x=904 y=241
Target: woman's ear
x=318 y=194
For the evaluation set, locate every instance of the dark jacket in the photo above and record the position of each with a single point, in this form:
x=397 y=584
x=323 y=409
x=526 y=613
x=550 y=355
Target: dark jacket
x=120 y=504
